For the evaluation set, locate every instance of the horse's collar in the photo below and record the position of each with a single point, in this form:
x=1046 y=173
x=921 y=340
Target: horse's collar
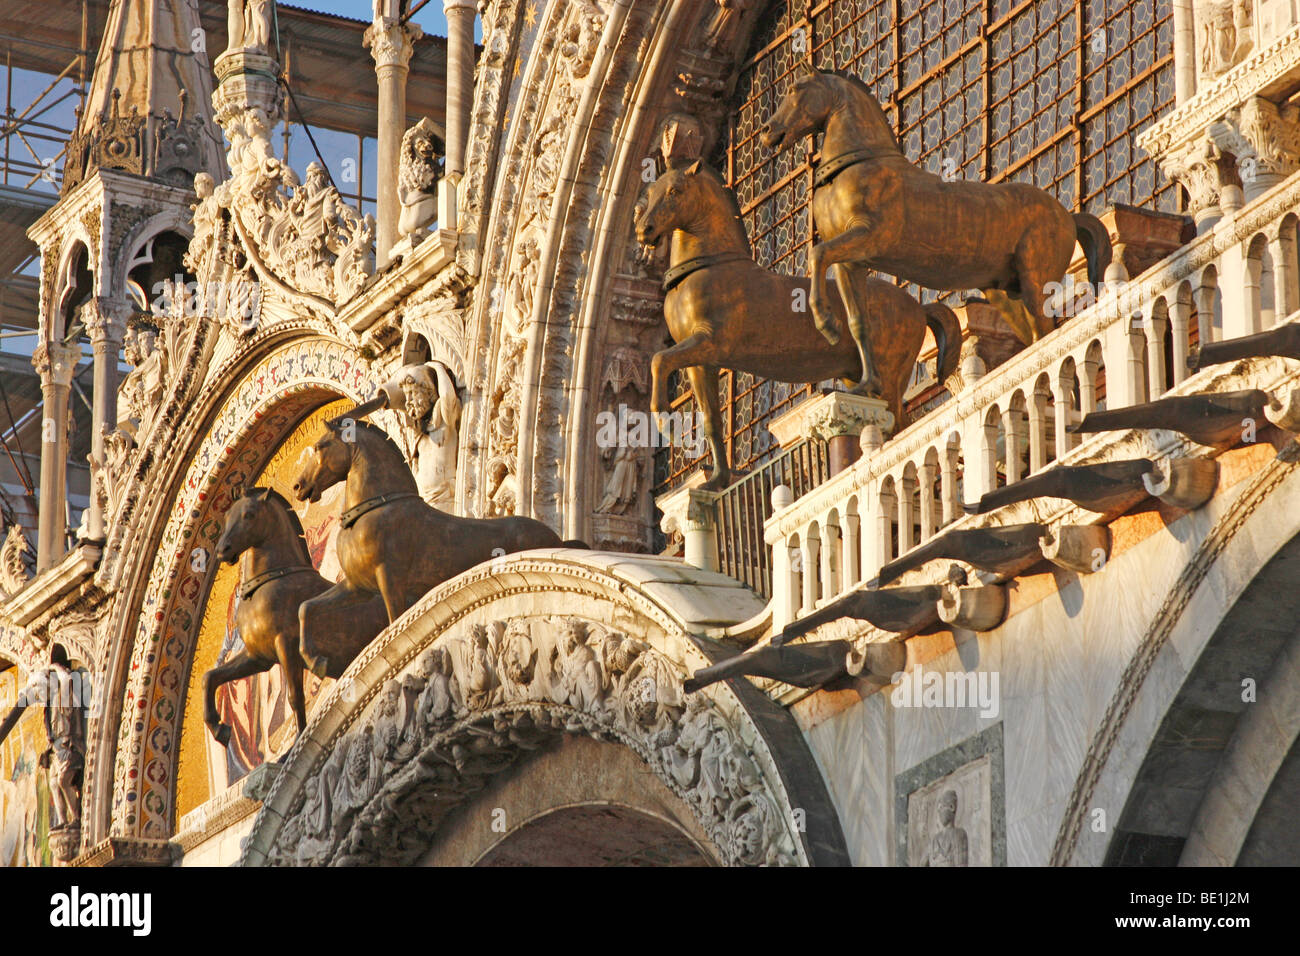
x=255 y=582
x=680 y=271
x=349 y=517
x=830 y=168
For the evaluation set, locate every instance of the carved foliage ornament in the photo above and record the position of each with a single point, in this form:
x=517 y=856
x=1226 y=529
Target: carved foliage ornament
x=471 y=704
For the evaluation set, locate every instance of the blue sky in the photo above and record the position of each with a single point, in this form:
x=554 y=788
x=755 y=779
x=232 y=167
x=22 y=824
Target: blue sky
x=430 y=17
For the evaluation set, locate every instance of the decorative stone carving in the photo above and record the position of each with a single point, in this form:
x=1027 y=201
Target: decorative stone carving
x=141 y=392
x=1205 y=172
x=1264 y=139
x=17 y=561
x=115 y=143
x=1225 y=39
x=520 y=682
x=418 y=172
x=624 y=466
x=723 y=33
x=431 y=412
x=178 y=145
x=248 y=23
x=300 y=237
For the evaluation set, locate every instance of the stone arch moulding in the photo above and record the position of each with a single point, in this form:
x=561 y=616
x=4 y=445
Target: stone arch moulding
x=1249 y=531
x=161 y=620
x=507 y=657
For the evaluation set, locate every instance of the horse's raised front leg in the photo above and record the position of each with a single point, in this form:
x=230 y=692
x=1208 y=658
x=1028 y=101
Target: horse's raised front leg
x=856 y=310
x=704 y=385
x=695 y=349
x=314 y=611
x=241 y=665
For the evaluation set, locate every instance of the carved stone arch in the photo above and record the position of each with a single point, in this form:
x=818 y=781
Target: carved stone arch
x=235 y=426
x=78 y=243
x=169 y=220
x=506 y=658
x=1256 y=525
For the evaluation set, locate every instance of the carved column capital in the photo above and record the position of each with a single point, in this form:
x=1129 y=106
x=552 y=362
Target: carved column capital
x=1265 y=140
x=452 y=6
x=1205 y=171
x=105 y=321
x=391 y=43
x=55 y=363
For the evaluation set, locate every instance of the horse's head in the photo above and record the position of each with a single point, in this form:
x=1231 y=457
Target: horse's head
x=803 y=110
x=672 y=202
x=327 y=462
x=248 y=524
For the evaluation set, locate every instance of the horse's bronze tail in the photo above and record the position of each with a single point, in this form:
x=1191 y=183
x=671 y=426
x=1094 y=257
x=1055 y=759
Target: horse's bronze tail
x=1095 y=240
x=947 y=338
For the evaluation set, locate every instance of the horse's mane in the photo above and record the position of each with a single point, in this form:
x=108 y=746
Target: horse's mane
x=872 y=102
x=728 y=196
x=377 y=432
x=294 y=521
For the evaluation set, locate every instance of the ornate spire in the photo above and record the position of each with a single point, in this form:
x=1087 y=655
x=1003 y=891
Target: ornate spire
x=147 y=107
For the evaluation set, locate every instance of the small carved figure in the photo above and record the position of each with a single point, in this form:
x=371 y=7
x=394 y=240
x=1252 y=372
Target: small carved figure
x=418 y=172
x=950 y=845
x=723 y=32
x=580 y=676
x=624 y=479
x=437 y=701
x=65 y=696
x=16 y=560
x=257 y=25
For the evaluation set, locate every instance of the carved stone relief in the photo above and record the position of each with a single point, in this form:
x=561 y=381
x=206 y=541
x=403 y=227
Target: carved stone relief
x=470 y=705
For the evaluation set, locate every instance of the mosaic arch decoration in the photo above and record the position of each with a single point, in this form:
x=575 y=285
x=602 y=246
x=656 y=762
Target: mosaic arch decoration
x=266 y=405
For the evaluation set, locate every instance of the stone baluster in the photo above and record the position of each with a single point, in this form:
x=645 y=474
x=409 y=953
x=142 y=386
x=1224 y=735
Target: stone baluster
x=1286 y=284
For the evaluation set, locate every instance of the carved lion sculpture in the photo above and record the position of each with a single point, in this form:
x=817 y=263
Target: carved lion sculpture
x=417 y=179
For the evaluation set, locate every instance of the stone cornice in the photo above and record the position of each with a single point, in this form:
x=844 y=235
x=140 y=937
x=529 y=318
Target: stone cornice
x=1254 y=76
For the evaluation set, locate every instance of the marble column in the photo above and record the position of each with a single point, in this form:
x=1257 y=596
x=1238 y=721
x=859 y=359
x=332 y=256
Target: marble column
x=55 y=364
x=105 y=323
x=460 y=82
x=391 y=44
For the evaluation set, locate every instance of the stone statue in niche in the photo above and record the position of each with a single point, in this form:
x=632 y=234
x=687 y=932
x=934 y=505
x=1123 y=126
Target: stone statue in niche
x=950 y=820
x=949 y=846
x=722 y=35
x=624 y=462
x=419 y=169
x=432 y=413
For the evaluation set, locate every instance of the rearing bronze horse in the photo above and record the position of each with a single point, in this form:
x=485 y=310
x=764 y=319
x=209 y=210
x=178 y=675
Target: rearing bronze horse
x=871 y=206
x=276 y=575
x=390 y=542
x=725 y=311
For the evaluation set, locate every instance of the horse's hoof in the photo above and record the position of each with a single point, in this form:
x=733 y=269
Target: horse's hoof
x=870 y=388
x=717 y=481
x=221 y=733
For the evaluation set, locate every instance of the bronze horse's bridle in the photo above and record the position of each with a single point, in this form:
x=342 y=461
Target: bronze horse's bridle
x=828 y=170
x=252 y=584
x=349 y=517
x=680 y=271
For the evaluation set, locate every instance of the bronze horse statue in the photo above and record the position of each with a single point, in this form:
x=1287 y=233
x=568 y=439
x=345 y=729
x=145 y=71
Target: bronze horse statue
x=275 y=576
x=874 y=208
x=390 y=542
x=725 y=311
